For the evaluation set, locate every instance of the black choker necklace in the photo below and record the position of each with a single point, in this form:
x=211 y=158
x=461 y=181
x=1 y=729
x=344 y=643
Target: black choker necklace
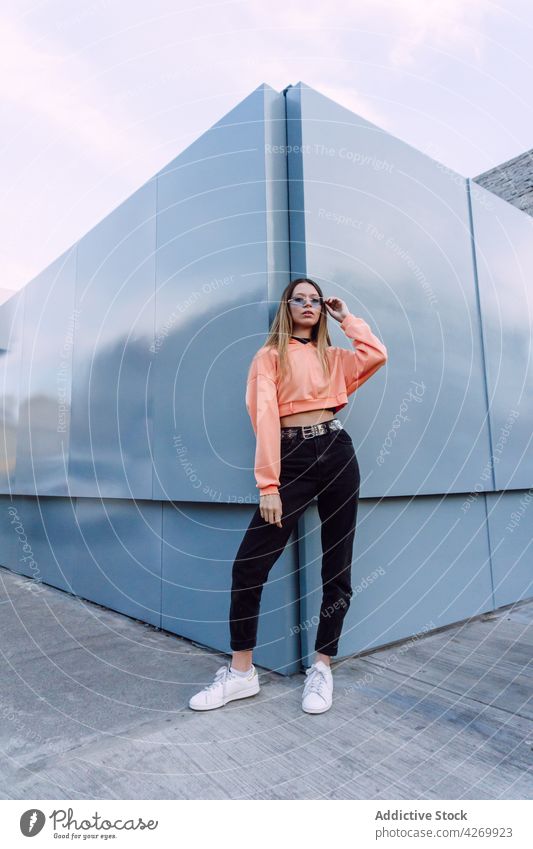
x=300 y=339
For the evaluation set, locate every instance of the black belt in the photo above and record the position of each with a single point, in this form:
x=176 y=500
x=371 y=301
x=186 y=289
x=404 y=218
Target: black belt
x=311 y=430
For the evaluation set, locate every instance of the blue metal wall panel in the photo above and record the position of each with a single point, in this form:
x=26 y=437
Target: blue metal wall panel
x=504 y=257
x=277 y=206
x=40 y=539
x=111 y=407
x=510 y=520
x=13 y=538
x=199 y=546
x=106 y=551
x=296 y=183
x=418 y=564
x=216 y=263
x=11 y=327
x=388 y=230
x=119 y=562
x=46 y=378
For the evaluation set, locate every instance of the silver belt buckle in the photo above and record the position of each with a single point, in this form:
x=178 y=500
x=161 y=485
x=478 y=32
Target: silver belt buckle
x=306 y=428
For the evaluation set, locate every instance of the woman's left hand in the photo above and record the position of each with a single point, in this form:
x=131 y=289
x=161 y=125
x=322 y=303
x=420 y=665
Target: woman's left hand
x=336 y=308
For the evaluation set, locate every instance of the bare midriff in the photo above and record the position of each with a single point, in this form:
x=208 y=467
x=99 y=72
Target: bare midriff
x=306 y=417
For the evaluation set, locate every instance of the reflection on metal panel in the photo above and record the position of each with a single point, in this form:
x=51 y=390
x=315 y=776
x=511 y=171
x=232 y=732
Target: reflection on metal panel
x=119 y=563
x=45 y=381
x=111 y=409
x=387 y=229
x=216 y=268
x=10 y=361
x=504 y=256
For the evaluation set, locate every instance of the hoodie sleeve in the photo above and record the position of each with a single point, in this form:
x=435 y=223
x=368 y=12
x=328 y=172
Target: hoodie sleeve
x=262 y=406
x=367 y=356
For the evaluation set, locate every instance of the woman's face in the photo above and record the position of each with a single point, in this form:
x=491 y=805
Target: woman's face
x=306 y=314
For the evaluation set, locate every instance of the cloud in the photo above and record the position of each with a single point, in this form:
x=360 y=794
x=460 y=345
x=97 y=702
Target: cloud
x=406 y=25
x=47 y=84
x=447 y=25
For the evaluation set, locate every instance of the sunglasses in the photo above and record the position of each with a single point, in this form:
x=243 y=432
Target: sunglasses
x=302 y=302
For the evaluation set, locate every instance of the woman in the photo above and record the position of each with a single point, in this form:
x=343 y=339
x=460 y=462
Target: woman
x=296 y=383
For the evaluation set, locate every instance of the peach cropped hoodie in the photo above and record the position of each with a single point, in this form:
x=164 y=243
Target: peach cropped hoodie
x=307 y=388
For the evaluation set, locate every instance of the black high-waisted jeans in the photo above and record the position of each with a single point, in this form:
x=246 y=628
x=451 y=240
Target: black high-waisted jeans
x=324 y=466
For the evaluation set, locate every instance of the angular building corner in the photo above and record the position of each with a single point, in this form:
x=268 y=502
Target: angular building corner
x=127 y=454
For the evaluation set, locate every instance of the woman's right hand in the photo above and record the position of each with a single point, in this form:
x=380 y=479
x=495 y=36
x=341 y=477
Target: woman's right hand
x=270 y=508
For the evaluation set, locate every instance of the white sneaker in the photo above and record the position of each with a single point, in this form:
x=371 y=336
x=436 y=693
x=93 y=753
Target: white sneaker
x=226 y=687
x=318 y=689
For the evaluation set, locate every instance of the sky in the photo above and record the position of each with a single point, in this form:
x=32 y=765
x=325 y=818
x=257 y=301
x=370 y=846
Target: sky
x=98 y=96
